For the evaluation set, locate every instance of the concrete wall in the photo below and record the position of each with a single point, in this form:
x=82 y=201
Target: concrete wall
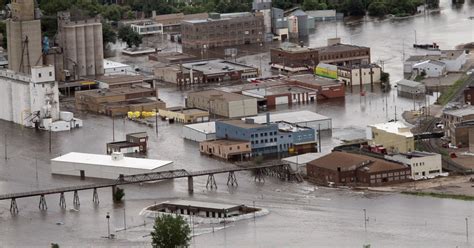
x=224 y=151
x=394 y=143
x=242 y=108
x=455 y=65
x=194 y=135
x=16 y=33
x=421 y=166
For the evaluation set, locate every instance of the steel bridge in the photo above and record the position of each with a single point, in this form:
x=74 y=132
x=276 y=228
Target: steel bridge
x=280 y=170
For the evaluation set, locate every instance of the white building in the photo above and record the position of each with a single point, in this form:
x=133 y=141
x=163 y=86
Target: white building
x=200 y=131
x=117 y=68
x=33 y=100
x=299 y=162
x=147 y=28
x=423 y=164
x=432 y=68
x=454 y=59
x=303 y=118
x=359 y=74
x=105 y=166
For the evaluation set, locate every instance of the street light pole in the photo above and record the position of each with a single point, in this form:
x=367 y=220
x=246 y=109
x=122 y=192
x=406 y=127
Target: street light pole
x=365 y=219
x=467 y=228
x=108 y=225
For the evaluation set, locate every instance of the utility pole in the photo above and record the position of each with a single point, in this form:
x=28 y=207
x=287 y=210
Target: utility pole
x=156 y=121
x=113 y=127
x=124 y=220
x=6 y=157
x=50 y=140
x=467 y=228
x=319 y=137
x=365 y=219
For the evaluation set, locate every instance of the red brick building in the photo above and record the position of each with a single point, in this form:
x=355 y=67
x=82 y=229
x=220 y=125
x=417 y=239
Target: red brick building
x=344 y=168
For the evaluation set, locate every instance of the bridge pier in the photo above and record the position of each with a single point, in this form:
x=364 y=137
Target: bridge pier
x=190 y=185
x=211 y=182
x=232 y=179
x=13 y=206
x=42 y=204
x=75 y=199
x=95 y=196
x=259 y=176
x=62 y=200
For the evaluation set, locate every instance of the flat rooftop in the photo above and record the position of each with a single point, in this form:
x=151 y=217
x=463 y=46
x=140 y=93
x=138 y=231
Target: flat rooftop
x=216 y=66
x=242 y=124
x=115 y=91
x=106 y=160
x=218 y=94
x=187 y=111
x=121 y=79
x=341 y=48
x=200 y=204
x=288 y=127
x=409 y=83
x=204 y=127
x=138 y=135
x=469 y=110
x=108 y=64
x=294 y=117
x=314 y=80
x=395 y=127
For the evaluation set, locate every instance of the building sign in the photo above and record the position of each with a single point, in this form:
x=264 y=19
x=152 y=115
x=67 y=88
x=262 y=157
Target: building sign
x=326 y=70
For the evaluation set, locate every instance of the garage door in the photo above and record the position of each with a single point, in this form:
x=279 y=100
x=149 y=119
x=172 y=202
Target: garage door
x=281 y=100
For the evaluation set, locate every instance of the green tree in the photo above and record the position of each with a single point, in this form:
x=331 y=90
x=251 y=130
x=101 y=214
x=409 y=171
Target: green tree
x=310 y=4
x=3 y=31
x=354 y=7
x=112 y=12
x=377 y=8
x=54 y=245
x=108 y=34
x=127 y=35
x=118 y=194
x=170 y=232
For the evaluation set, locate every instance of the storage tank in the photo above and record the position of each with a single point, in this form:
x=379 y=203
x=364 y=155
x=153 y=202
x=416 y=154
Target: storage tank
x=81 y=50
x=90 y=50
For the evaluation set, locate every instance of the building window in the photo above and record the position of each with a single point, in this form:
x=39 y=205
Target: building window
x=39 y=75
x=230 y=148
x=238 y=147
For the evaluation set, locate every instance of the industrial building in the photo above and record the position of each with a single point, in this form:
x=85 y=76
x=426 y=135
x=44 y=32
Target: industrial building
x=24 y=36
x=184 y=115
x=423 y=164
x=33 y=100
x=172 y=22
x=117 y=68
x=82 y=48
x=105 y=166
x=223 y=103
x=268 y=138
x=287 y=95
x=201 y=209
x=395 y=136
x=410 y=88
x=342 y=168
x=201 y=72
x=359 y=74
x=221 y=30
x=293 y=57
x=469 y=95
x=449 y=60
x=430 y=68
x=325 y=15
x=123 y=81
x=327 y=88
x=134 y=143
x=118 y=101
x=454 y=119
x=200 y=131
x=226 y=149
x=304 y=118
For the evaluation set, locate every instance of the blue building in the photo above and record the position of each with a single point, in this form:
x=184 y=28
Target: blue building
x=268 y=138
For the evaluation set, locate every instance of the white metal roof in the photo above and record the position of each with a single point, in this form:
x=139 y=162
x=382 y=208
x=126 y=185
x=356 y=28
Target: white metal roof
x=109 y=64
x=469 y=110
x=204 y=127
x=294 y=117
x=106 y=160
x=396 y=127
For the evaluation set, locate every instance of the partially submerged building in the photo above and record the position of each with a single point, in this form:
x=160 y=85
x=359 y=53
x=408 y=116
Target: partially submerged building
x=185 y=115
x=447 y=60
x=395 y=136
x=118 y=101
x=423 y=164
x=223 y=103
x=105 y=166
x=410 y=88
x=203 y=72
x=304 y=118
x=134 y=143
x=457 y=123
x=342 y=168
x=200 y=131
x=226 y=149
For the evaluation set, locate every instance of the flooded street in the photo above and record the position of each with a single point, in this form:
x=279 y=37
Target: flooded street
x=301 y=215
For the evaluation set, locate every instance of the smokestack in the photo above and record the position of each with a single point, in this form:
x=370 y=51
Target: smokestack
x=268 y=118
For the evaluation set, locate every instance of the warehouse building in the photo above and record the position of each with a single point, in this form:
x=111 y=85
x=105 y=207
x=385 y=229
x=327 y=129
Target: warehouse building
x=342 y=168
x=226 y=149
x=105 y=166
x=410 y=88
x=200 y=131
x=423 y=164
x=396 y=137
x=286 y=95
x=223 y=103
x=134 y=143
x=202 y=72
x=184 y=115
x=118 y=101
